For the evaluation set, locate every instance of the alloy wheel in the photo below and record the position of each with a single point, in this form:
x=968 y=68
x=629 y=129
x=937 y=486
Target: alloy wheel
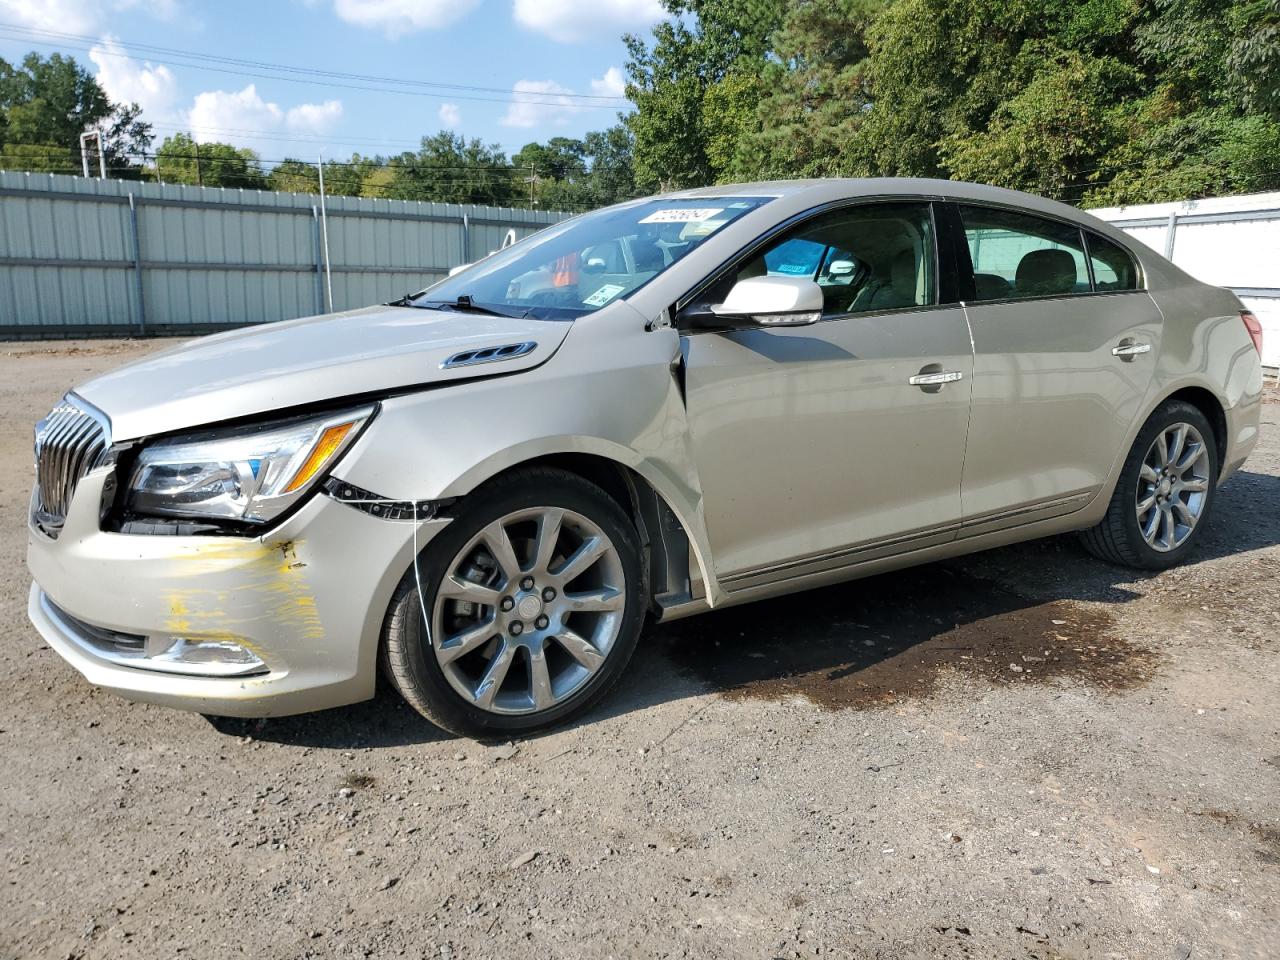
x=1173 y=486
x=528 y=610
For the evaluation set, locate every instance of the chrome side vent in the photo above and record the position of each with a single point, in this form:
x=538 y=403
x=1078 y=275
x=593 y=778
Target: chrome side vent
x=507 y=351
x=70 y=441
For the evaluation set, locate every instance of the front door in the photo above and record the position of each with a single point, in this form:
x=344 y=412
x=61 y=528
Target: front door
x=1065 y=344
x=814 y=446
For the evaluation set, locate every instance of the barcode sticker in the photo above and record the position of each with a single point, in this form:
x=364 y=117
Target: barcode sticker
x=604 y=295
x=683 y=215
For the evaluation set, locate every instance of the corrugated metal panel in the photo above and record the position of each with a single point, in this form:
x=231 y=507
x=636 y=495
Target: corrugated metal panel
x=212 y=258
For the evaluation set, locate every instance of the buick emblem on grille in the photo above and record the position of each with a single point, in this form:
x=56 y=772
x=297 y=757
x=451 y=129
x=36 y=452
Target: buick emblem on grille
x=72 y=440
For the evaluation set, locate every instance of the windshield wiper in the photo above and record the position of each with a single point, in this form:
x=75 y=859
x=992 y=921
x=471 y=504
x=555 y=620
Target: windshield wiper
x=464 y=304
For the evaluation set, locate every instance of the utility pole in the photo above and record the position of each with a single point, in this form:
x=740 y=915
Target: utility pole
x=199 y=166
x=324 y=231
x=533 y=180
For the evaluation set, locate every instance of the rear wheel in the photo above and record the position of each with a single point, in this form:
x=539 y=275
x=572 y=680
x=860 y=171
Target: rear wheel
x=535 y=600
x=1166 y=488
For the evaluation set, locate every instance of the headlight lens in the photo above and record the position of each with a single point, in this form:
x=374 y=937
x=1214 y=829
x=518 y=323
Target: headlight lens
x=251 y=475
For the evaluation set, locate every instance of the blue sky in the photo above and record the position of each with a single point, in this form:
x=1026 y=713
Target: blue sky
x=542 y=60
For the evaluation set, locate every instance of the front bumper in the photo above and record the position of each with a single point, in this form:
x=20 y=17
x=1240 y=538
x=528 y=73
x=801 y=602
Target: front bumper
x=308 y=599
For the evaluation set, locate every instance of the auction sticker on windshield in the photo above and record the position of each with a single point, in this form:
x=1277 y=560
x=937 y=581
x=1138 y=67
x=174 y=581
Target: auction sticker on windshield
x=682 y=215
x=604 y=295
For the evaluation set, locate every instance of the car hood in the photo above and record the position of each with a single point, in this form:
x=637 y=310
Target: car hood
x=276 y=366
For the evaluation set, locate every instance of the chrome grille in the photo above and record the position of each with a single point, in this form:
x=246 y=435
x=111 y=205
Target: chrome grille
x=70 y=441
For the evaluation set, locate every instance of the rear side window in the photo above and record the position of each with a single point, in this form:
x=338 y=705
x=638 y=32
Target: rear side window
x=1113 y=268
x=1017 y=255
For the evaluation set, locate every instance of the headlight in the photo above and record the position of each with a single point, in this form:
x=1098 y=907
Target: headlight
x=251 y=475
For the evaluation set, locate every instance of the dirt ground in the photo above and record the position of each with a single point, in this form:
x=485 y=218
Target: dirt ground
x=1022 y=754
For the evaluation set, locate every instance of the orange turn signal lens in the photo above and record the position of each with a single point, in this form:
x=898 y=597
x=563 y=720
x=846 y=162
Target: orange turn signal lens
x=329 y=441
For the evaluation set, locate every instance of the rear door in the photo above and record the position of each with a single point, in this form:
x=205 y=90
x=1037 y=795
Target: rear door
x=1065 y=344
x=814 y=446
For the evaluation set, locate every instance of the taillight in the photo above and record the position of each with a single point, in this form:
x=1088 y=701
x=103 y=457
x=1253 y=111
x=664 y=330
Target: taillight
x=1254 y=327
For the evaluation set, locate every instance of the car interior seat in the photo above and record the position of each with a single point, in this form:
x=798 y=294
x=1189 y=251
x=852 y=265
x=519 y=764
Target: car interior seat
x=1045 y=273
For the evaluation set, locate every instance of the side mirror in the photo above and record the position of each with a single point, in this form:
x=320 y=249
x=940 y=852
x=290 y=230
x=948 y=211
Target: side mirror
x=773 y=302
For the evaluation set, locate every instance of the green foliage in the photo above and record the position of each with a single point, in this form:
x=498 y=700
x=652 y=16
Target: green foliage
x=611 y=155
x=814 y=93
x=1044 y=137
x=181 y=159
x=1085 y=100
x=47 y=102
x=676 y=84
x=451 y=169
x=569 y=174
x=39 y=158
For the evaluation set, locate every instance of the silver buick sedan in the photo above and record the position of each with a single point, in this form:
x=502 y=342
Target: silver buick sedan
x=664 y=407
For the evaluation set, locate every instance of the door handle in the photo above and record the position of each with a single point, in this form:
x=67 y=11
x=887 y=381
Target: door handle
x=935 y=379
x=1128 y=348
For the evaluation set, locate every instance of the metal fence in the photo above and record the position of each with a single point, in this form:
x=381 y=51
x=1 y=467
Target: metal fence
x=82 y=257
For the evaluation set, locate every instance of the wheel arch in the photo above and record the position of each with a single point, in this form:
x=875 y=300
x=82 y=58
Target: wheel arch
x=1195 y=393
x=1207 y=402
x=675 y=558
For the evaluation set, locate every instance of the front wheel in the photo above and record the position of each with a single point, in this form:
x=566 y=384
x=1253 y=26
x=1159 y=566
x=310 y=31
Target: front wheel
x=535 y=597
x=1166 y=488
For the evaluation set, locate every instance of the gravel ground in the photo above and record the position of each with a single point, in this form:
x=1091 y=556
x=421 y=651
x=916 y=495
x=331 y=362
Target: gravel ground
x=1022 y=754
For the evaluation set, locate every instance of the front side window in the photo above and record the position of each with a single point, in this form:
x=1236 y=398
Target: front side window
x=576 y=267
x=879 y=256
x=1017 y=255
x=1113 y=268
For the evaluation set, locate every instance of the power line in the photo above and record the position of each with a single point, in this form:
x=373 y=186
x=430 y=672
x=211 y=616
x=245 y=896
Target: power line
x=349 y=81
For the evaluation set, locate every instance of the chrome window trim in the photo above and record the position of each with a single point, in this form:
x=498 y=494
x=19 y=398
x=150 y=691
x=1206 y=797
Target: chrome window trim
x=973 y=304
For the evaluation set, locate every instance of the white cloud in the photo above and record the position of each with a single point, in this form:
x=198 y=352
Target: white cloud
x=160 y=9
x=539 y=103
x=72 y=16
x=215 y=112
x=154 y=88
x=450 y=115
x=403 y=16
x=570 y=21
x=314 y=118
x=612 y=84
x=79 y=16
x=245 y=119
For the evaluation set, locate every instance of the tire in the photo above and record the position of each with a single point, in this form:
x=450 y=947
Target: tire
x=1119 y=538
x=453 y=694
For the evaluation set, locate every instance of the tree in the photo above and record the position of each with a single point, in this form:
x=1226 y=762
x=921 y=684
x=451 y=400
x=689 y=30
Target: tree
x=181 y=159
x=49 y=102
x=1053 y=133
x=670 y=80
x=815 y=93
x=294 y=176
x=38 y=158
x=342 y=178
x=450 y=169
x=611 y=157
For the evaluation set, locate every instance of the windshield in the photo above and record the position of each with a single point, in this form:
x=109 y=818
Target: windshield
x=577 y=267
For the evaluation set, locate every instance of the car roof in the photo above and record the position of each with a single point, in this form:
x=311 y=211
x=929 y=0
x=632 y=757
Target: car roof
x=827 y=190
